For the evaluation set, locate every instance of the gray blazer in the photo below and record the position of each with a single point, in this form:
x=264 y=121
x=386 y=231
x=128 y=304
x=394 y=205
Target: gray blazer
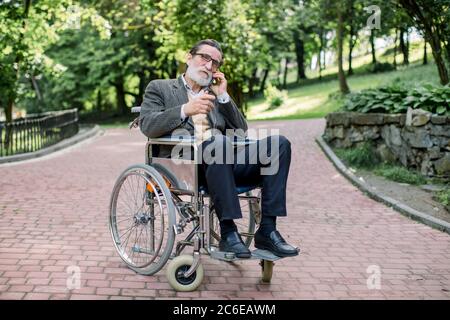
x=161 y=112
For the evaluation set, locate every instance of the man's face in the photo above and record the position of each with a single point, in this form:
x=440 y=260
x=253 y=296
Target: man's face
x=199 y=69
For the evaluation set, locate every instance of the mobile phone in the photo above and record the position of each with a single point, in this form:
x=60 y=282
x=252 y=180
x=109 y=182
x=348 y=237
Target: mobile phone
x=215 y=81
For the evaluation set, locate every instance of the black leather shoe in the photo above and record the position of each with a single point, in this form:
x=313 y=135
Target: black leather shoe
x=275 y=244
x=232 y=242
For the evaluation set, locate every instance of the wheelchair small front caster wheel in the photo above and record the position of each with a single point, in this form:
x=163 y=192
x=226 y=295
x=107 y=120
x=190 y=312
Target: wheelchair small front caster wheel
x=175 y=274
x=267 y=270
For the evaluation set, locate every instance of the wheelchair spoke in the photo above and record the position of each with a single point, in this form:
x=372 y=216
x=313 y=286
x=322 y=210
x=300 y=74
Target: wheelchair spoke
x=141 y=220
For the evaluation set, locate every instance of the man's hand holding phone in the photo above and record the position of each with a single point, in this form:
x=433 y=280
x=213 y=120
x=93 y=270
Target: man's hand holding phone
x=200 y=104
x=219 y=85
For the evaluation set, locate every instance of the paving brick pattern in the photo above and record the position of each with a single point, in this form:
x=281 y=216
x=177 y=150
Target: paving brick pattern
x=54 y=214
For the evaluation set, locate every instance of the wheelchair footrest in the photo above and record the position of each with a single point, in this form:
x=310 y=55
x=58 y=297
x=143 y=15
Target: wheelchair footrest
x=256 y=254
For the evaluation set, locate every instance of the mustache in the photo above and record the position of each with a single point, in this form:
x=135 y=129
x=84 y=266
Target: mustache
x=207 y=72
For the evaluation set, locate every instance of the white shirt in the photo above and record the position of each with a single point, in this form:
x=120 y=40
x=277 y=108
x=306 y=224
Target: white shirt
x=223 y=98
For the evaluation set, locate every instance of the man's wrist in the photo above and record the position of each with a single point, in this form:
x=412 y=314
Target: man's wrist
x=223 y=98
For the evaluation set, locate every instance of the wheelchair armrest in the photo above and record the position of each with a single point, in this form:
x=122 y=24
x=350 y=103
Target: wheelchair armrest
x=173 y=140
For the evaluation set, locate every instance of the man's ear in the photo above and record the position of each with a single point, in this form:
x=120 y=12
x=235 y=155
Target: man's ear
x=188 y=58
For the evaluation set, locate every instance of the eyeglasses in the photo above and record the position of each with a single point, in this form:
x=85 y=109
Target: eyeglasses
x=207 y=58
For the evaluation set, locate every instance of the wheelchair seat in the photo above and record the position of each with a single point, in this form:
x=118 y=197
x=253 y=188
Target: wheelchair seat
x=239 y=189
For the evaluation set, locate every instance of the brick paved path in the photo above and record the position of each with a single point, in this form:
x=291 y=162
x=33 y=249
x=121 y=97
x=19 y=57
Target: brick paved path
x=53 y=214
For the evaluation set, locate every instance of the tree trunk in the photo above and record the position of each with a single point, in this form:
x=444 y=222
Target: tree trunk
x=251 y=83
x=340 y=35
x=142 y=84
x=447 y=49
x=403 y=46
x=174 y=69
x=235 y=91
x=407 y=47
x=319 y=59
x=351 y=42
x=395 y=48
x=425 y=58
x=263 y=82
x=300 y=54
x=120 y=97
x=437 y=55
x=285 y=72
x=279 y=72
x=99 y=100
x=351 y=46
x=372 y=46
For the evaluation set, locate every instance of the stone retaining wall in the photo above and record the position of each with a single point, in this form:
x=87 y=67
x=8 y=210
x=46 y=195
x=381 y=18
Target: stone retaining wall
x=417 y=139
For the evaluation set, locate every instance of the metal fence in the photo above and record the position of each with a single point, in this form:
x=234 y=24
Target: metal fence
x=37 y=131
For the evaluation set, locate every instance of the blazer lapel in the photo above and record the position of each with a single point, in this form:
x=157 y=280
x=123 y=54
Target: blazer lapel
x=180 y=93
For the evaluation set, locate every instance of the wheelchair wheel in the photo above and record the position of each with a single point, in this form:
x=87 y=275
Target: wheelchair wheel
x=267 y=270
x=177 y=280
x=142 y=219
x=245 y=225
x=166 y=174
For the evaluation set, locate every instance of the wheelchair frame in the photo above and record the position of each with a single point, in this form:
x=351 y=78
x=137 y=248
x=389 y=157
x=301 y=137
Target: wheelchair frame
x=184 y=272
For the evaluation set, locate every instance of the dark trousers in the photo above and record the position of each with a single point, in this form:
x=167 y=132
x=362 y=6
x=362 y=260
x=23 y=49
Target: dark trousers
x=221 y=177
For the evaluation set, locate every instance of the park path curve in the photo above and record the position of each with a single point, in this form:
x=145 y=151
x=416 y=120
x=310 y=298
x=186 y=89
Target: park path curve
x=54 y=214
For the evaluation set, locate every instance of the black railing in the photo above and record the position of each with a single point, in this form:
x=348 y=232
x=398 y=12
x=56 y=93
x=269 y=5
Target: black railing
x=37 y=131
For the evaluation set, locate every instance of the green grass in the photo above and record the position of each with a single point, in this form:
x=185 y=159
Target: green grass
x=310 y=99
x=400 y=174
x=443 y=196
x=366 y=157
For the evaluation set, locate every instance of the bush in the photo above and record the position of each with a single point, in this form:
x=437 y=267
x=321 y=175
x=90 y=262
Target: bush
x=364 y=156
x=275 y=97
x=397 y=99
x=400 y=174
x=382 y=67
x=444 y=197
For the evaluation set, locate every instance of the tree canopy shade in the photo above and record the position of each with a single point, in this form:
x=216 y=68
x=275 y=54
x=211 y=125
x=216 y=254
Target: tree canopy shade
x=432 y=18
x=98 y=56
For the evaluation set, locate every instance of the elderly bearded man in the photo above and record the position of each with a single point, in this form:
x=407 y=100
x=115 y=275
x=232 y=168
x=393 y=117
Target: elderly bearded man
x=186 y=103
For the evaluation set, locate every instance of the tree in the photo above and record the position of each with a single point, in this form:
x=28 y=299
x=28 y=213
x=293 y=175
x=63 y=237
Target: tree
x=340 y=42
x=28 y=29
x=431 y=18
x=337 y=12
x=183 y=23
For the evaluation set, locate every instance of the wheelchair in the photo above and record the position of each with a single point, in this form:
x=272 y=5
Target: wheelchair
x=158 y=210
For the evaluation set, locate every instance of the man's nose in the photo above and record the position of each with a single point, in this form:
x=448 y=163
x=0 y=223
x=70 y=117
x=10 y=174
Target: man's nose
x=208 y=65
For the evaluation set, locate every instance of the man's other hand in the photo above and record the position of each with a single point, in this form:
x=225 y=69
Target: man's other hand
x=201 y=104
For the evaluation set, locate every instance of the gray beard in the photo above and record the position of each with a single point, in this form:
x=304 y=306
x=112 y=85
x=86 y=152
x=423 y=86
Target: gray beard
x=193 y=73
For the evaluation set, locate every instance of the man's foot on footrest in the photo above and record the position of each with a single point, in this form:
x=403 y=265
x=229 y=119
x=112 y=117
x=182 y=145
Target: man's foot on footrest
x=275 y=243
x=232 y=242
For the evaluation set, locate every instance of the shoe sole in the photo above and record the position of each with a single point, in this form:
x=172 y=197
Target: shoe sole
x=278 y=254
x=242 y=255
x=238 y=255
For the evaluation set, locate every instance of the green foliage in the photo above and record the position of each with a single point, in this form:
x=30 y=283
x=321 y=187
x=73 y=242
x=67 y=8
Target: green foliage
x=397 y=99
x=400 y=174
x=443 y=196
x=27 y=30
x=364 y=156
x=99 y=56
x=382 y=67
x=275 y=97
